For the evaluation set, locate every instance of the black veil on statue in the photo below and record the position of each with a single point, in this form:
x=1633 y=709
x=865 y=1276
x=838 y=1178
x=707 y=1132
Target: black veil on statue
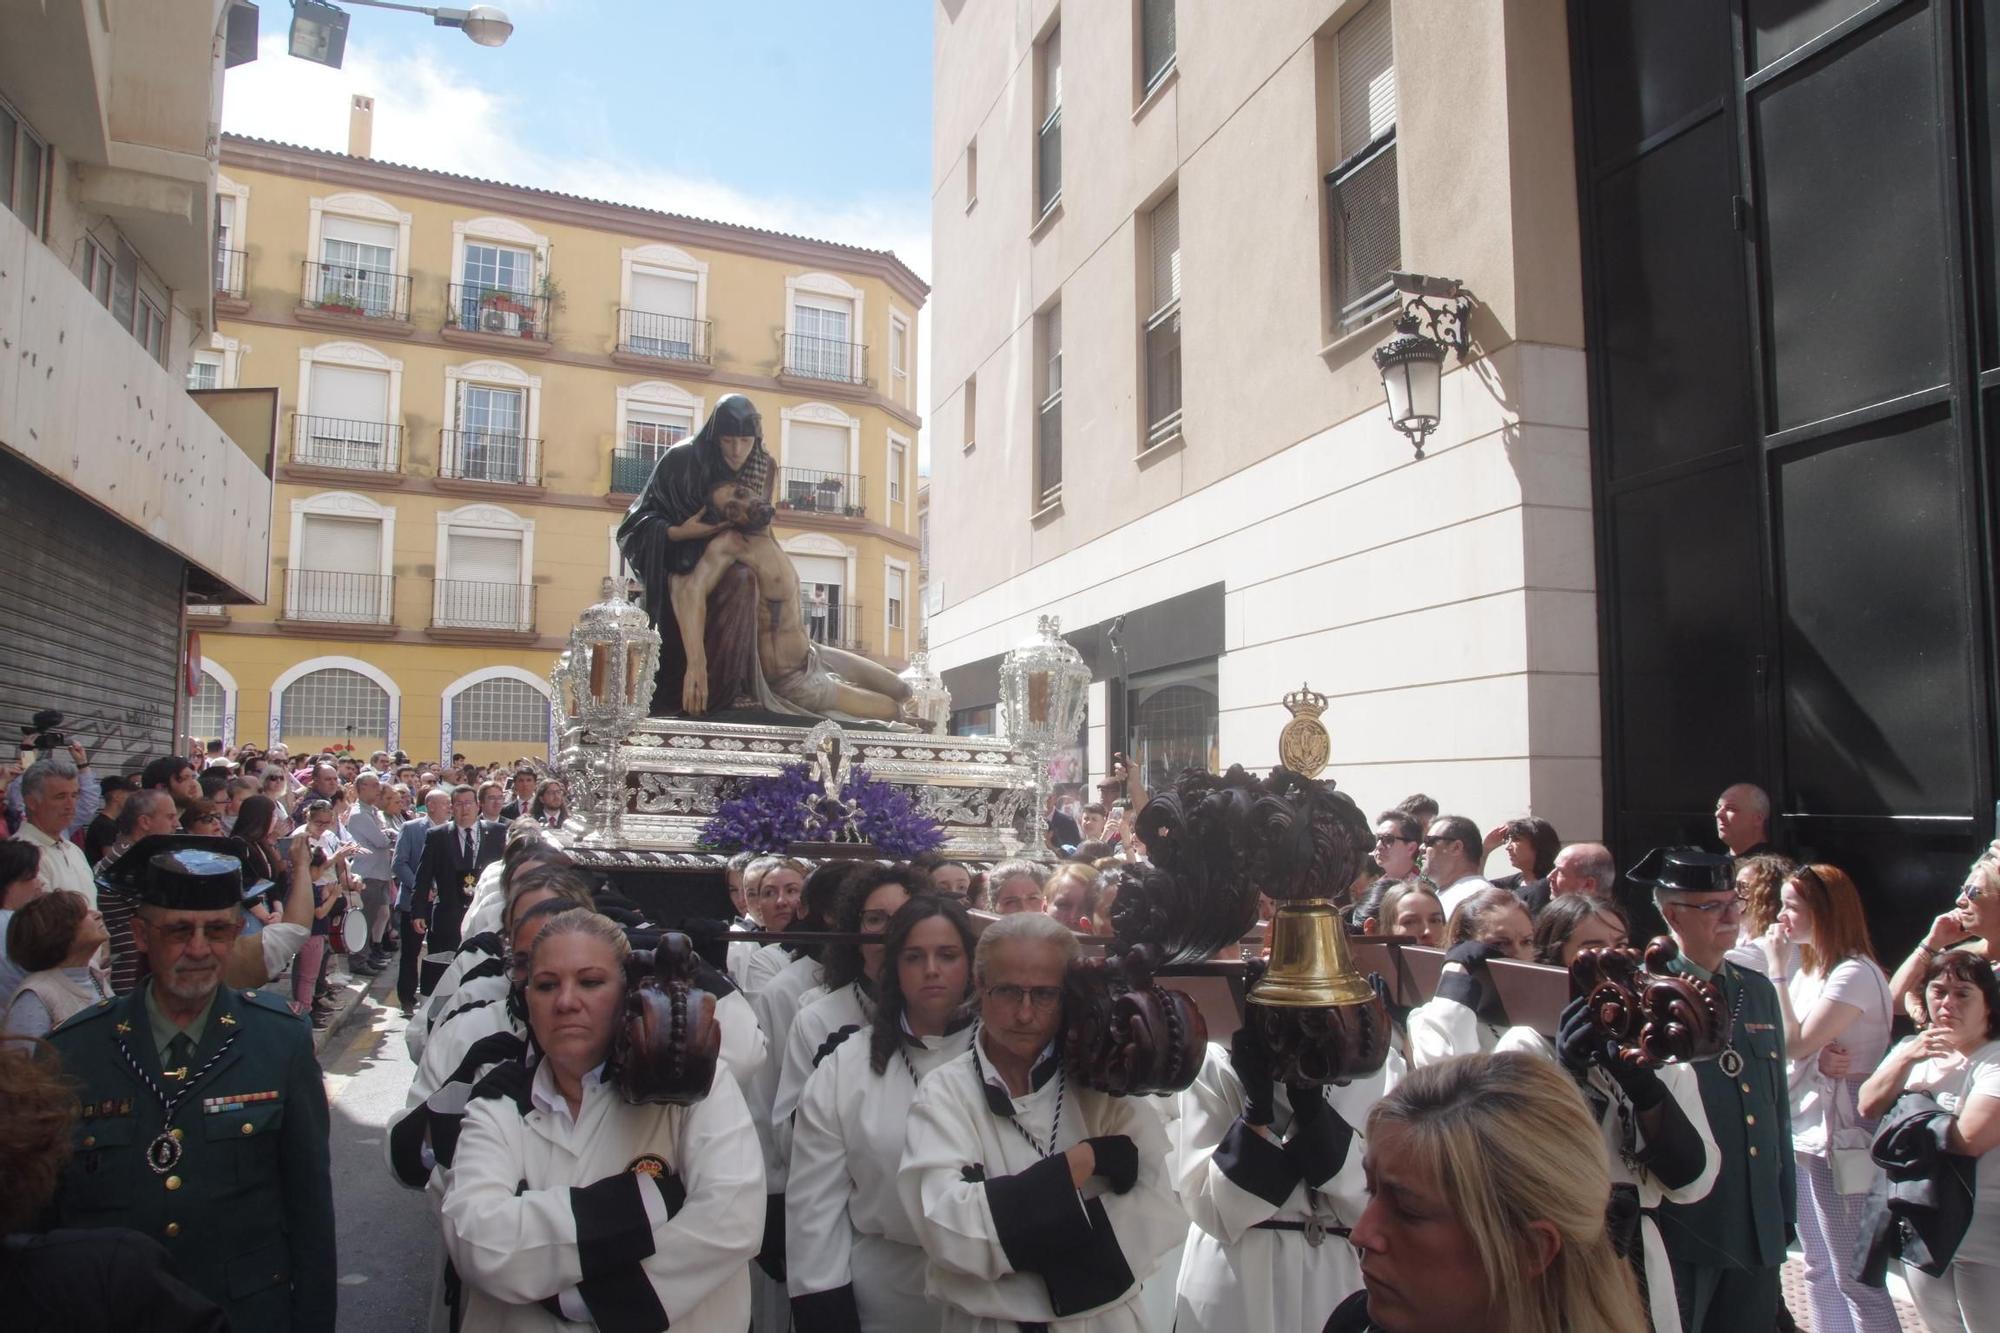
x=677 y=491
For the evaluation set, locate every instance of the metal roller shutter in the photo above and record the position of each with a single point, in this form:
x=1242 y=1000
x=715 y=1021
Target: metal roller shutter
x=94 y=622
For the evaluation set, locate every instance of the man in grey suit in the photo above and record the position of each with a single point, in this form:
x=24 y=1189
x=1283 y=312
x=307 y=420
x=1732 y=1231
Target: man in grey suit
x=371 y=831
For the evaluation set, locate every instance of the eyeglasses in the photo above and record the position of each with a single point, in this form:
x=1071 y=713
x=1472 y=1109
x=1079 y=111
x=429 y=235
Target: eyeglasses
x=1010 y=996
x=1734 y=903
x=873 y=922
x=182 y=932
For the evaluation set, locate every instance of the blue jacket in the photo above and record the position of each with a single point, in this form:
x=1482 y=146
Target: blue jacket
x=409 y=850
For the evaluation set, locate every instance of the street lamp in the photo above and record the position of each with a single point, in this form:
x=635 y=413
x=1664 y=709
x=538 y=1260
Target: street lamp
x=319 y=29
x=1412 y=362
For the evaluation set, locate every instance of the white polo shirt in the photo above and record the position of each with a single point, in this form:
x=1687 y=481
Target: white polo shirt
x=63 y=863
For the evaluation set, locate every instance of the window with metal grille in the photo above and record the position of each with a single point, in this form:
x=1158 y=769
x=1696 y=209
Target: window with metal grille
x=332 y=702
x=500 y=710
x=1362 y=205
x=1156 y=41
x=1048 y=146
x=204 y=721
x=1163 y=326
x=895 y=598
x=1048 y=424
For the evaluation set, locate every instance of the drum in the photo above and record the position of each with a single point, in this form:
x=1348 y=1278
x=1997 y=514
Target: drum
x=354 y=928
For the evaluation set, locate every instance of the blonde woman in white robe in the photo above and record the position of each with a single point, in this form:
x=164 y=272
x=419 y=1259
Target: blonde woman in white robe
x=853 y=1260
x=1271 y=1177
x=1039 y=1202
x=565 y=1204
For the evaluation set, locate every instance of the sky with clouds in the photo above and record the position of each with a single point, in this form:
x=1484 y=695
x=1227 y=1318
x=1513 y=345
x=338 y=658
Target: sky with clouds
x=805 y=116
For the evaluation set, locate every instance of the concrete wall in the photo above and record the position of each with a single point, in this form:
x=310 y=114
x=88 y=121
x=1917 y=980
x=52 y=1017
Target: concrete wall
x=1446 y=605
x=82 y=401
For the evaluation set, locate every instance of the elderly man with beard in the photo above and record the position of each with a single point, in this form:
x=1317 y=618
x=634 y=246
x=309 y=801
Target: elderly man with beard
x=204 y=1121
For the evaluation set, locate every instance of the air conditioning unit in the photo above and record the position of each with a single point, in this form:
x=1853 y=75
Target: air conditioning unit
x=497 y=321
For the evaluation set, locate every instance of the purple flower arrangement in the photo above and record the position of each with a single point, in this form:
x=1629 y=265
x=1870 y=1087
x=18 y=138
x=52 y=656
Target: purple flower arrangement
x=770 y=814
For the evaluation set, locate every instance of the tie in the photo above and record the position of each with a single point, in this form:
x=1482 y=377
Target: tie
x=468 y=846
x=179 y=1051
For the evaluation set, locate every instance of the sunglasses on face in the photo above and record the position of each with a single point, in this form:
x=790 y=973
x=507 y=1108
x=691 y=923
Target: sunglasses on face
x=1383 y=839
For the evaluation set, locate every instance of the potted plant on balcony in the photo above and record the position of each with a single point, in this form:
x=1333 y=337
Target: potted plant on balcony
x=341 y=305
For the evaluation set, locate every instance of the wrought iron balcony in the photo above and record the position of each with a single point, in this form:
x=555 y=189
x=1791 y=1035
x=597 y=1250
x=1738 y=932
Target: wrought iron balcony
x=229 y=266
x=496 y=311
x=630 y=469
x=488 y=455
x=364 y=446
x=825 y=359
x=835 y=624
x=343 y=289
x=462 y=604
x=667 y=337
x=816 y=492
x=334 y=597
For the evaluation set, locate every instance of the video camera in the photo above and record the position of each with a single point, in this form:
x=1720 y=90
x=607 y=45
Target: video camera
x=42 y=733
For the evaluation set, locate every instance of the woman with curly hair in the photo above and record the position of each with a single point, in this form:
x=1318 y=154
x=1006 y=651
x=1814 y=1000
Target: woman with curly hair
x=852 y=1256
x=73 y=1279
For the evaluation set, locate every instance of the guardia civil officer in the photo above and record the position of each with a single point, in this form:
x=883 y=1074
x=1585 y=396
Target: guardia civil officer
x=204 y=1121
x=1726 y=1249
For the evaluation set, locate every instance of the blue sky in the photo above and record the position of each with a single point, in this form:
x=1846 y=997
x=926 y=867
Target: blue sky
x=804 y=115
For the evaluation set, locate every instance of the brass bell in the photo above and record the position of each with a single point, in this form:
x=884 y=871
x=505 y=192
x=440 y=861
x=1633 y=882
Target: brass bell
x=1310 y=967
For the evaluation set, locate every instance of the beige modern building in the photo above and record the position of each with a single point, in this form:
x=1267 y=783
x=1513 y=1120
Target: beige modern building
x=474 y=381
x=1163 y=238
x=121 y=495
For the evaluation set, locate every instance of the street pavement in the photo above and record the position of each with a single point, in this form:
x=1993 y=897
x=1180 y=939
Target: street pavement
x=387 y=1241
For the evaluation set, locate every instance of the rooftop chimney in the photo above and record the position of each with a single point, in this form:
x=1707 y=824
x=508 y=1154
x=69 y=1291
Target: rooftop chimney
x=361 y=126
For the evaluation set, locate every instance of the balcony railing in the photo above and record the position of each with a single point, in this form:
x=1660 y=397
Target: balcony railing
x=343 y=289
x=630 y=469
x=668 y=337
x=825 y=359
x=462 y=604
x=229 y=266
x=365 y=446
x=486 y=455
x=497 y=311
x=815 y=492
x=835 y=624
x=333 y=597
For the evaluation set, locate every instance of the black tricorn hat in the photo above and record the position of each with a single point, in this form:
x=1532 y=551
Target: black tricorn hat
x=183 y=871
x=1684 y=870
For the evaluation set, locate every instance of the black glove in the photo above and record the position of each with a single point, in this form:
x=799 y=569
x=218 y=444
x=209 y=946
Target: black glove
x=1578 y=1042
x=1308 y=1103
x=1117 y=1161
x=1472 y=987
x=1251 y=1060
x=1579 y=1045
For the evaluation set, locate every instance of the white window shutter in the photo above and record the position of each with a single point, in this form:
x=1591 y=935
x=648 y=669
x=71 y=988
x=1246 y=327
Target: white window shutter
x=1367 y=74
x=1166 y=236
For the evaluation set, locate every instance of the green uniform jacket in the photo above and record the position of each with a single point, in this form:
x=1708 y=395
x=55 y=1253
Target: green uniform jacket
x=247 y=1211
x=1750 y=1216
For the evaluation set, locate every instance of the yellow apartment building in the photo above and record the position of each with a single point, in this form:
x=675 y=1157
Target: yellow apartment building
x=474 y=381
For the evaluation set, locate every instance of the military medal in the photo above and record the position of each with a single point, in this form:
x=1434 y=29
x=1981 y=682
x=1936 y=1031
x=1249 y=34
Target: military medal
x=162 y=1153
x=165 y=1150
x=1730 y=1061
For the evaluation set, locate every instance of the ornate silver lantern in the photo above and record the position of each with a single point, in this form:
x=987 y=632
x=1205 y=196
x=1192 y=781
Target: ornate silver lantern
x=930 y=701
x=604 y=681
x=1043 y=686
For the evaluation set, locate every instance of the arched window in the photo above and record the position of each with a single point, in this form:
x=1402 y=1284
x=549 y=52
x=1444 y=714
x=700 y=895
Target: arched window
x=500 y=709
x=332 y=702
x=206 y=709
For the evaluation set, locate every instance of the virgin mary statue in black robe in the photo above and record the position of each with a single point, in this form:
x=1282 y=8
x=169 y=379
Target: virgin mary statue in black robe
x=677 y=491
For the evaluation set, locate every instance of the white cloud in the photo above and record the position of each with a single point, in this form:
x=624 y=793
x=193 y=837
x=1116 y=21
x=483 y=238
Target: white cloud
x=428 y=115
